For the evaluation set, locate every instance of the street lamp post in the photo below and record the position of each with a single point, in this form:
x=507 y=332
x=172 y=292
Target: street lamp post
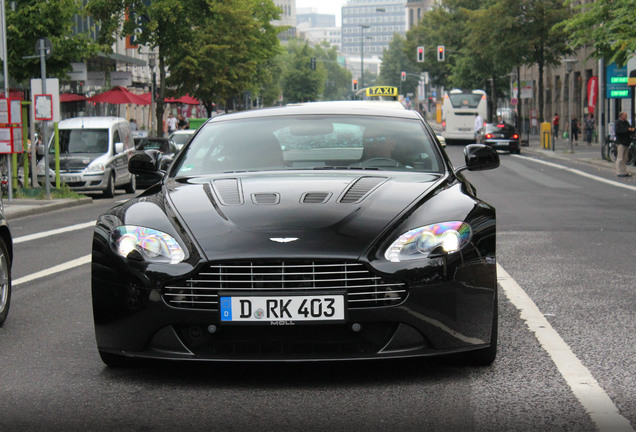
x=569 y=67
x=362 y=27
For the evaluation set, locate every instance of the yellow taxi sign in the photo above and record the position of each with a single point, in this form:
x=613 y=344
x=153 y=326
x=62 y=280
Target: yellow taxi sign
x=381 y=91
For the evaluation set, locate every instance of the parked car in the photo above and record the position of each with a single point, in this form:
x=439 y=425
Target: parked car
x=94 y=154
x=165 y=146
x=501 y=136
x=6 y=259
x=182 y=136
x=318 y=231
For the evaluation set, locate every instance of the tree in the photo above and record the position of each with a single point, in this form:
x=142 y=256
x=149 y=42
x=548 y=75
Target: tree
x=338 y=81
x=229 y=53
x=299 y=82
x=546 y=40
x=605 y=25
x=446 y=24
x=395 y=61
x=31 y=20
x=212 y=50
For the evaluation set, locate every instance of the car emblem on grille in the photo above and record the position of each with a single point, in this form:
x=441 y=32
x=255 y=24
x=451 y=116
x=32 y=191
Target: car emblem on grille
x=283 y=239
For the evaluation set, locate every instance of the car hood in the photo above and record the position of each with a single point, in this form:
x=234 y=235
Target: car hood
x=317 y=215
x=74 y=162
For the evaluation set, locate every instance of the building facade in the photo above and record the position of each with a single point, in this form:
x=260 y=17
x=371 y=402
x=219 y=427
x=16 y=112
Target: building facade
x=368 y=26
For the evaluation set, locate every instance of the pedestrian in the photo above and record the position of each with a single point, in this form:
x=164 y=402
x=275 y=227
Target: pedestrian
x=479 y=124
x=133 y=125
x=171 y=123
x=589 y=128
x=575 y=127
x=555 y=125
x=182 y=122
x=623 y=132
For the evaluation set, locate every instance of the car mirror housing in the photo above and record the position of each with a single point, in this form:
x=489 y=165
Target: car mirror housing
x=119 y=147
x=147 y=162
x=479 y=157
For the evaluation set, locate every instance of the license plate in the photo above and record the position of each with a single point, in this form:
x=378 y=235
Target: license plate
x=70 y=179
x=276 y=309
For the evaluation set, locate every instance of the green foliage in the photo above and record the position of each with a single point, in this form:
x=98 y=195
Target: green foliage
x=338 y=78
x=213 y=50
x=35 y=19
x=298 y=81
x=40 y=193
x=486 y=39
x=395 y=61
x=605 y=25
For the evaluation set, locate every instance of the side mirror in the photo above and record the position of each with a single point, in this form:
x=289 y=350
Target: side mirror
x=146 y=163
x=119 y=147
x=479 y=157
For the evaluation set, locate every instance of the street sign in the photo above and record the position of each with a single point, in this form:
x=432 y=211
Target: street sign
x=514 y=101
x=44 y=43
x=617 y=83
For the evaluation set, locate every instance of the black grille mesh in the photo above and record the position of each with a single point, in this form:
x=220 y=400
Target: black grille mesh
x=364 y=289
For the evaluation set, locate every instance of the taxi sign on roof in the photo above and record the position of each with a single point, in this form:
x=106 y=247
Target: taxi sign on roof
x=381 y=91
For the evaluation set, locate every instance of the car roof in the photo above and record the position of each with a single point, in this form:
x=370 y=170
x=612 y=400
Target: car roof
x=371 y=108
x=90 y=122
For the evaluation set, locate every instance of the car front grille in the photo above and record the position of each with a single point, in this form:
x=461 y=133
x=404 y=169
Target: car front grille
x=364 y=288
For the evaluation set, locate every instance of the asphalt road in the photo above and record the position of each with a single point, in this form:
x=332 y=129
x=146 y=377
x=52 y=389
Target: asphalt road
x=567 y=241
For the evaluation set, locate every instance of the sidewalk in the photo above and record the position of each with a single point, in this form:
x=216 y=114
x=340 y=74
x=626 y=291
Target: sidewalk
x=563 y=150
x=27 y=207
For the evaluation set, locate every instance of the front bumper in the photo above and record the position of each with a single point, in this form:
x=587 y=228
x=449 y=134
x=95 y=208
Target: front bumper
x=449 y=308
x=80 y=181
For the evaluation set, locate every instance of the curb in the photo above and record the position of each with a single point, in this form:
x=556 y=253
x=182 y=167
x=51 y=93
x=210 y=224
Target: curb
x=14 y=211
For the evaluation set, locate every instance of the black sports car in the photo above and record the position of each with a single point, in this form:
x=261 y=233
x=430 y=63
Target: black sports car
x=6 y=259
x=320 y=231
x=501 y=136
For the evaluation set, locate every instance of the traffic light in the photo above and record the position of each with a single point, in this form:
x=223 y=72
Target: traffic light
x=440 y=52
x=420 y=54
x=354 y=84
x=313 y=63
x=403 y=76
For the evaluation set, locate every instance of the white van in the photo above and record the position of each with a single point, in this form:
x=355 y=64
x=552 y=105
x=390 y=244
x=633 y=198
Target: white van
x=94 y=154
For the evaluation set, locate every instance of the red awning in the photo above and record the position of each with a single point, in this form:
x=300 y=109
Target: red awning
x=119 y=95
x=187 y=99
x=71 y=97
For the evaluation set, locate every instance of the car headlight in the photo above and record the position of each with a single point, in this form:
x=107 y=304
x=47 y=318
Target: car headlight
x=96 y=167
x=146 y=244
x=423 y=242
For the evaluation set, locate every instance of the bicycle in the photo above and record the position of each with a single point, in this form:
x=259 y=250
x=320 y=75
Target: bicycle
x=631 y=151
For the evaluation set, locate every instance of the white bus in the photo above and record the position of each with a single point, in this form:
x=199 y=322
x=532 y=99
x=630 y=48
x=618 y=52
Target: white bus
x=458 y=113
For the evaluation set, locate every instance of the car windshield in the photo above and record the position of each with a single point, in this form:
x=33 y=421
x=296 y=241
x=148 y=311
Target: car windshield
x=83 y=141
x=499 y=127
x=465 y=100
x=148 y=144
x=310 y=142
x=181 y=138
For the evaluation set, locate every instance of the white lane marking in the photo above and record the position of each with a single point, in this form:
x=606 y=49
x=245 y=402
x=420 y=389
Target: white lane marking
x=595 y=401
x=44 y=234
x=52 y=270
x=581 y=173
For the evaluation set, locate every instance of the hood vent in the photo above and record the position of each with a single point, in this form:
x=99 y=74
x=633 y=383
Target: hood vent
x=228 y=191
x=315 y=197
x=360 y=189
x=266 y=198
